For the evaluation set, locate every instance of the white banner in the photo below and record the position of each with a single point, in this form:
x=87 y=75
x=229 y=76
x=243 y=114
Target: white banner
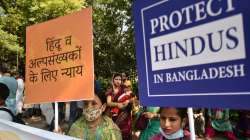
x=14 y=131
x=194 y=45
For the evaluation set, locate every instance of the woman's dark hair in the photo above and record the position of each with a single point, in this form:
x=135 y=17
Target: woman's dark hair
x=182 y=112
x=4 y=91
x=115 y=75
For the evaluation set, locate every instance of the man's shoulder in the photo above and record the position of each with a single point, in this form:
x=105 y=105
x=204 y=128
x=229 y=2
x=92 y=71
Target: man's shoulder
x=5 y=115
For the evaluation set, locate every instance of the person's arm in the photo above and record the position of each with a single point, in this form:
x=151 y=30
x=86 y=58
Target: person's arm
x=110 y=103
x=151 y=115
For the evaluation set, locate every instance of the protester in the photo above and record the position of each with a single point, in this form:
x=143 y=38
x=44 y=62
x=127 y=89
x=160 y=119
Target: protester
x=172 y=121
x=4 y=70
x=97 y=85
x=11 y=83
x=152 y=114
x=124 y=98
x=124 y=77
x=243 y=125
x=219 y=122
x=123 y=119
x=4 y=93
x=94 y=125
x=199 y=121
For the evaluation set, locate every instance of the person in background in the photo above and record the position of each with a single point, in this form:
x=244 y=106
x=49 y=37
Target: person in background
x=125 y=79
x=172 y=121
x=219 y=122
x=94 y=125
x=4 y=70
x=113 y=94
x=4 y=93
x=243 y=125
x=123 y=119
x=11 y=83
x=199 y=121
x=153 y=116
x=124 y=98
x=98 y=85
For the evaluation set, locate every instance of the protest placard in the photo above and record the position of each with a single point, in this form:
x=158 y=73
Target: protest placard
x=59 y=59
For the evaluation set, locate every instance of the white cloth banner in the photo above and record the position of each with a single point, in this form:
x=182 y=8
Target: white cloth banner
x=19 y=95
x=48 y=112
x=14 y=131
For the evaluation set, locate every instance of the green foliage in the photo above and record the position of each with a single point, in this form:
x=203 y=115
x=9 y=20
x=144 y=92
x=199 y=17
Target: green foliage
x=16 y=15
x=9 y=48
x=113 y=37
x=105 y=84
x=114 y=48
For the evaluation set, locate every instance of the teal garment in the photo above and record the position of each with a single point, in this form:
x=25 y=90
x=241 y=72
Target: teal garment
x=223 y=123
x=153 y=125
x=11 y=83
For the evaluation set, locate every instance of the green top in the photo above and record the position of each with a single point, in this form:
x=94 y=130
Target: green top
x=153 y=125
x=220 y=124
x=107 y=130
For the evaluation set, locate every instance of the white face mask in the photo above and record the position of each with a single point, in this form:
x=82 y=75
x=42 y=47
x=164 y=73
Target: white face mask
x=176 y=135
x=92 y=114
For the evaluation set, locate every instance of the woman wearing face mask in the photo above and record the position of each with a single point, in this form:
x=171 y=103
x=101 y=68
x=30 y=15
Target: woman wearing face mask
x=172 y=121
x=93 y=125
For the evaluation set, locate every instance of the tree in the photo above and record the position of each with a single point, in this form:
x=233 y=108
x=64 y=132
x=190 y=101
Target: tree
x=114 y=48
x=113 y=37
x=16 y=15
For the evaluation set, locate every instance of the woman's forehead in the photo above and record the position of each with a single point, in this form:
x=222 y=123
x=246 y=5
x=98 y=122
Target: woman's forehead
x=117 y=76
x=169 y=112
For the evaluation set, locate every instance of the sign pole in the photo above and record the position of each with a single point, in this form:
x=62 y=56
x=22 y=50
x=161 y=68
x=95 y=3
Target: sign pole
x=191 y=123
x=56 y=116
